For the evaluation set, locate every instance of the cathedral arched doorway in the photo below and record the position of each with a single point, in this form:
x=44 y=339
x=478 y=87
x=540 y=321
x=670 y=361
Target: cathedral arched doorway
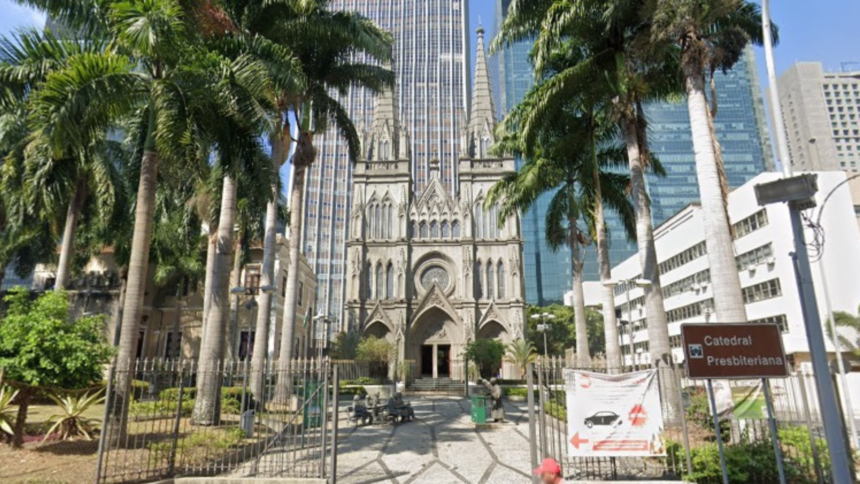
x=435 y=345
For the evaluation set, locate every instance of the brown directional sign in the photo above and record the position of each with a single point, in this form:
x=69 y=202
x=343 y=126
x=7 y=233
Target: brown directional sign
x=733 y=350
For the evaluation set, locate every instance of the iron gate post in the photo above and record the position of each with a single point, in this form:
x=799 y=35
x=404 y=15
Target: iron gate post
x=530 y=399
x=335 y=418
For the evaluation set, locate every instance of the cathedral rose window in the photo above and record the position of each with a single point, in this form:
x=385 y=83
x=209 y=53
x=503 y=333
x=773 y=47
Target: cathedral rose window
x=435 y=274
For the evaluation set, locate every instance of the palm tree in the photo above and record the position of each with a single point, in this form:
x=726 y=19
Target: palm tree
x=160 y=71
x=521 y=353
x=613 y=39
x=847 y=330
x=567 y=152
x=711 y=35
x=71 y=179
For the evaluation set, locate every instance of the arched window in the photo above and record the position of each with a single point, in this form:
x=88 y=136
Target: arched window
x=479 y=221
x=445 y=232
x=485 y=147
x=488 y=224
x=424 y=233
x=479 y=282
x=369 y=281
x=384 y=150
x=386 y=221
x=389 y=232
x=434 y=230
x=389 y=281
x=491 y=280
x=413 y=230
x=378 y=232
x=455 y=229
x=500 y=273
x=380 y=280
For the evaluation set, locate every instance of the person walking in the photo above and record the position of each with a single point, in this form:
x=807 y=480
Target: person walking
x=549 y=472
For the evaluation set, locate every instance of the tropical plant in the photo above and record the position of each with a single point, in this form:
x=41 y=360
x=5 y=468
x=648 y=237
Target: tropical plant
x=7 y=412
x=486 y=354
x=521 y=353
x=847 y=330
x=71 y=421
x=711 y=35
x=69 y=182
x=570 y=151
x=618 y=66
x=336 y=51
x=31 y=332
x=345 y=346
x=378 y=352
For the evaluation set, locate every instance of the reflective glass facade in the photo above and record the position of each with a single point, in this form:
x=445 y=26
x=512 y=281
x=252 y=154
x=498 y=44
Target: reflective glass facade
x=741 y=127
x=431 y=63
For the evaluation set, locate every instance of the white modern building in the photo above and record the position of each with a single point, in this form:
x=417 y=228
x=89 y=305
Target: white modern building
x=763 y=248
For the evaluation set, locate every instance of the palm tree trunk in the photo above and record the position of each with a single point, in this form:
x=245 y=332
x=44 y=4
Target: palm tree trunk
x=658 y=326
x=175 y=343
x=235 y=280
x=583 y=357
x=135 y=290
x=302 y=158
x=267 y=272
x=610 y=325
x=211 y=251
x=207 y=404
x=725 y=284
x=67 y=246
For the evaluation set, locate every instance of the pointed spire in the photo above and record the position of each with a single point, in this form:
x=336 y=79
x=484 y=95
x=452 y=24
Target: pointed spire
x=483 y=113
x=386 y=137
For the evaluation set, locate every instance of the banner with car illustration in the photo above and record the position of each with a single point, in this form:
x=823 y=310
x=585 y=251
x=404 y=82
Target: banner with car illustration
x=614 y=415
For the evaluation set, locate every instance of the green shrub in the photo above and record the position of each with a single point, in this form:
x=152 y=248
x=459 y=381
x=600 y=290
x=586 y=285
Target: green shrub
x=520 y=392
x=746 y=461
x=699 y=412
x=172 y=394
x=353 y=390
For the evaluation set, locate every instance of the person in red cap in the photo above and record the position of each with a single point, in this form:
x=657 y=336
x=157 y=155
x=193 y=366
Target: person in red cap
x=549 y=472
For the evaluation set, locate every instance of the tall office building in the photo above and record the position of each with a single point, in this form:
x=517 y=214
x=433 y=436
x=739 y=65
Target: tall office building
x=431 y=63
x=822 y=117
x=742 y=131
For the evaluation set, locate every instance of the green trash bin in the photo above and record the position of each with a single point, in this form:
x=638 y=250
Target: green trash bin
x=479 y=409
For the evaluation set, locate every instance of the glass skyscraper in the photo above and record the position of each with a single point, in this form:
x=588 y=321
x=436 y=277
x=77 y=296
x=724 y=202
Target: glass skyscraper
x=431 y=63
x=742 y=132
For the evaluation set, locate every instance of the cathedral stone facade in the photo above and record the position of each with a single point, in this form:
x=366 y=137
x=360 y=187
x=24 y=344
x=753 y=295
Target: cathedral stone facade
x=431 y=271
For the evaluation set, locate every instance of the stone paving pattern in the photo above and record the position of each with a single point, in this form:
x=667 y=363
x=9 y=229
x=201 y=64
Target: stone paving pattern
x=440 y=446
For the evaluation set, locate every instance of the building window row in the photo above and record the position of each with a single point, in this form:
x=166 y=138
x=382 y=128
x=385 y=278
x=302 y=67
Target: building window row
x=379 y=281
x=779 y=320
x=434 y=230
x=750 y=224
x=490 y=279
x=759 y=255
x=688 y=311
x=622 y=287
x=693 y=282
x=762 y=291
x=683 y=257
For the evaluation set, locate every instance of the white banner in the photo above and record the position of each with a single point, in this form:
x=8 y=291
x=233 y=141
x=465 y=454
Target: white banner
x=613 y=415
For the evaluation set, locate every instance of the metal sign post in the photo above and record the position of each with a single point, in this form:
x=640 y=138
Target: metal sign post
x=773 y=430
x=736 y=351
x=716 y=416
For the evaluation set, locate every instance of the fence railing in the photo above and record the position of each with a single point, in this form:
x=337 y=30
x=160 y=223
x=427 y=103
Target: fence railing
x=689 y=433
x=158 y=432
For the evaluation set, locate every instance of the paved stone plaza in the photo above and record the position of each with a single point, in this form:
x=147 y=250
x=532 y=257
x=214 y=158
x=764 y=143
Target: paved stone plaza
x=440 y=446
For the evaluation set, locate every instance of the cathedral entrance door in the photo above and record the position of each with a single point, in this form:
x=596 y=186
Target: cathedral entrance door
x=427 y=360
x=443 y=361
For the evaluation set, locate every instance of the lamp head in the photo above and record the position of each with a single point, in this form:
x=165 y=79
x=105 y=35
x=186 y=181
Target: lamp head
x=237 y=290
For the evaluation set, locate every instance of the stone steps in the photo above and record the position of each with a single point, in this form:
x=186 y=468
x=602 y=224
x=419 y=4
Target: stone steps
x=445 y=385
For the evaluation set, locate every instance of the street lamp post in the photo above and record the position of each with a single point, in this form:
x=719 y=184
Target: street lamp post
x=798 y=192
x=543 y=327
x=321 y=321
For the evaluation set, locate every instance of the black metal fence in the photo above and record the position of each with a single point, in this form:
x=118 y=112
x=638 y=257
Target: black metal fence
x=287 y=431
x=689 y=435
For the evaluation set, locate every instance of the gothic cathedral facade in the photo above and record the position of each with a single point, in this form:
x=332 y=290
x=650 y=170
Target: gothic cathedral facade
x=432 y=271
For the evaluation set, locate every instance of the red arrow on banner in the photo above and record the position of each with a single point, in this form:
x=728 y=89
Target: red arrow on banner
x=576 y=441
